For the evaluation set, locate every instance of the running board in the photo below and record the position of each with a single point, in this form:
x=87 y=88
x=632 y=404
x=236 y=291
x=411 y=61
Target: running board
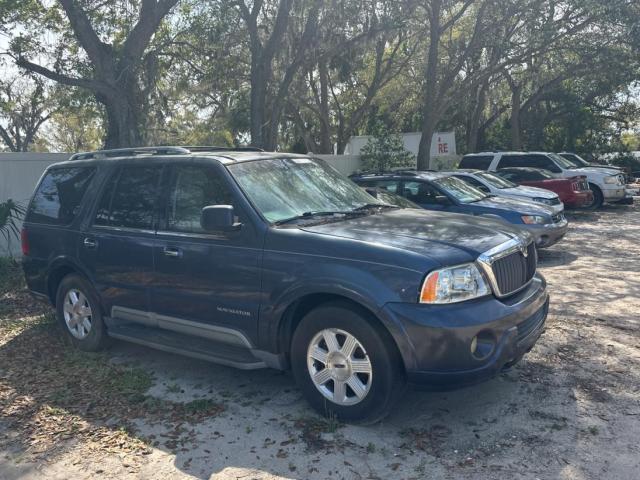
x=187 y=345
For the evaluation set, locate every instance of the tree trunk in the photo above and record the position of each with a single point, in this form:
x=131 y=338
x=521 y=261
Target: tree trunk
x=258 y=101
x=123 y=106
x=430 y=101
x=473 y=132
x=514 y=121
x=325 y=120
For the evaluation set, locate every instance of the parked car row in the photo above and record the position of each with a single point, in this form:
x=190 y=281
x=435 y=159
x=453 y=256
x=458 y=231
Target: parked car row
x=607 y=184
x=253 y=260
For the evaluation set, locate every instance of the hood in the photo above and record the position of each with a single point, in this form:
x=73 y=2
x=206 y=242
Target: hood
x=601 y=171
x=515 y=205
x=610 y=167
x=446 y=238
x=531 y=192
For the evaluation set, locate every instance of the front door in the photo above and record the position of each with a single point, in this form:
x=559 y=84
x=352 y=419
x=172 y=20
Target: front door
x=206 y=283
x=424 y=194
x=117 y=249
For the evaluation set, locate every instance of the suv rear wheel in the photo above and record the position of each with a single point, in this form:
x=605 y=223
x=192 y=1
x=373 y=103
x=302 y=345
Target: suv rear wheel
x=344 y=365
x=79 y=314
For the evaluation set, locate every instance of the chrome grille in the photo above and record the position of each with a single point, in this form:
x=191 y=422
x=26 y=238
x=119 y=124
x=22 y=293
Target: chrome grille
x=554 y=201
x=508 y=268
x=558 y=217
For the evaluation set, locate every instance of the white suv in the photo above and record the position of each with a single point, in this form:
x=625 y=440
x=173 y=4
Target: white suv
x=606 y=185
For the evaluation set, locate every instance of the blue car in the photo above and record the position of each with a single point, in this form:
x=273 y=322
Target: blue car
x=443 y=192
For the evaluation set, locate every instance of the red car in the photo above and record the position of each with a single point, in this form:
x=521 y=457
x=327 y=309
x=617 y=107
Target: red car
x=574 y=192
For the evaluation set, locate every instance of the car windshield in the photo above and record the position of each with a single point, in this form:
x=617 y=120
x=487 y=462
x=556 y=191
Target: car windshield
x=459 y=189
x=575 y=159
x=563 y=162
x=286 y=188
x=496 y=181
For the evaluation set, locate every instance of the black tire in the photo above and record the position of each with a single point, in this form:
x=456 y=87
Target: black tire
x=598 y=198
x=96 y=339
x=387 y=380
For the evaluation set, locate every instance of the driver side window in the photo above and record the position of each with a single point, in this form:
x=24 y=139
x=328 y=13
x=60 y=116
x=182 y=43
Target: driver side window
x=193 y=188
x=420 y=192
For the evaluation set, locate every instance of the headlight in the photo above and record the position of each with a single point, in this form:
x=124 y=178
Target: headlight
x=535 y=220
x=612 y=179
x=454 y=284
x=546 y=201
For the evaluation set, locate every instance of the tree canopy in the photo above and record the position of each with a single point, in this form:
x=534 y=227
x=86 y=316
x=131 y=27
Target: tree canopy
x=306 y=75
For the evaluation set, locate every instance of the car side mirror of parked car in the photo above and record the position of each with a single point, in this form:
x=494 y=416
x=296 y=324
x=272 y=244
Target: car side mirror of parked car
x=442 y=200
x=219 y=218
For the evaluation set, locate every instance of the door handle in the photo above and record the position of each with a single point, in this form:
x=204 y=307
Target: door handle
x=90 y=243
x=172 y=252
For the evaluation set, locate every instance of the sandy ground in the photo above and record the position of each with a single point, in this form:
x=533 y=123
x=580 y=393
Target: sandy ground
x=569 y=410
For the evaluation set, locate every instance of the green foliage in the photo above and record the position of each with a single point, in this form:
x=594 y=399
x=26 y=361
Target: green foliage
x=627 y=161
x=10 y=214
x=385 y=151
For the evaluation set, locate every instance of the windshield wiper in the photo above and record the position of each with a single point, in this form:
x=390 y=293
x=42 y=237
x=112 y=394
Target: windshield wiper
x=368 y=206
x=309 y=215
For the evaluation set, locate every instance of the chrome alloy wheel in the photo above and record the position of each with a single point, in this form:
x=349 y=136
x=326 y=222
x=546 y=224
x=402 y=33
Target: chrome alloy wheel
x=339 y=366
x=77 y=313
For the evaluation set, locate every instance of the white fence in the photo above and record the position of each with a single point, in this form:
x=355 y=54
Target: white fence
x=19 y=173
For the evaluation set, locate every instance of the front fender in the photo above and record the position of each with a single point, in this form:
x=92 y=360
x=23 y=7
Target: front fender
x=367 y=284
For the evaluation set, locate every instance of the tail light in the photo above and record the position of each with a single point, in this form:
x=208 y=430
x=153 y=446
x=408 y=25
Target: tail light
x=24 y=241
x=575 y=186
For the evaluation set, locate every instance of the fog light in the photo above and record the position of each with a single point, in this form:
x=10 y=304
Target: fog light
x=474 y=345
x=483 y=345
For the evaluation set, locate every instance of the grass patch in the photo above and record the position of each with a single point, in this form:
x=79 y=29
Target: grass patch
x=11 y=276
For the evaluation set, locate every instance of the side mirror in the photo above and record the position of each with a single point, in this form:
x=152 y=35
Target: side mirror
x=219 y=218
x=442 y=200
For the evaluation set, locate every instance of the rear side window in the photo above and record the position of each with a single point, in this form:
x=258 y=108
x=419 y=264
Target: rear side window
x=130 y=197
x=535 y=161
x=477 y=162
x=58 y=197
x=194 y=187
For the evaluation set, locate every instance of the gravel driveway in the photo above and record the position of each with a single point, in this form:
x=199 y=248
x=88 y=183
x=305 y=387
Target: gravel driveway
x=570 y=410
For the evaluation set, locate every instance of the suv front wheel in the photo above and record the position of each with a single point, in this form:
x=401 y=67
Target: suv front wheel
x=79 y=314
x=344 y=365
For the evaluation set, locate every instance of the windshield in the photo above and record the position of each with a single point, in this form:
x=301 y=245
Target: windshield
x=495 y=180
x=283 y=188
x=575 y=159
x=459 y=189
x=563 y=162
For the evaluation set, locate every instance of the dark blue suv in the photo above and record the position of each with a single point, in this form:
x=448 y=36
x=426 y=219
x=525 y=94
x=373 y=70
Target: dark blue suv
x=253 y=260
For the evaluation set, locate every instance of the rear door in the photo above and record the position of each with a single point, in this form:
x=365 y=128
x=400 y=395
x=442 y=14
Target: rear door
x=117 y=248
x=206 y=284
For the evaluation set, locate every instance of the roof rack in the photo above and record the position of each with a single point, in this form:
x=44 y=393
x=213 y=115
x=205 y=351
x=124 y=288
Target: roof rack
x=213 y=148
x=126 y=152
x=135 y=151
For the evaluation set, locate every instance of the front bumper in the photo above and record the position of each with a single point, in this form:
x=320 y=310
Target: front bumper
x=547 y=235
x=437 y=343
x=612 y=193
